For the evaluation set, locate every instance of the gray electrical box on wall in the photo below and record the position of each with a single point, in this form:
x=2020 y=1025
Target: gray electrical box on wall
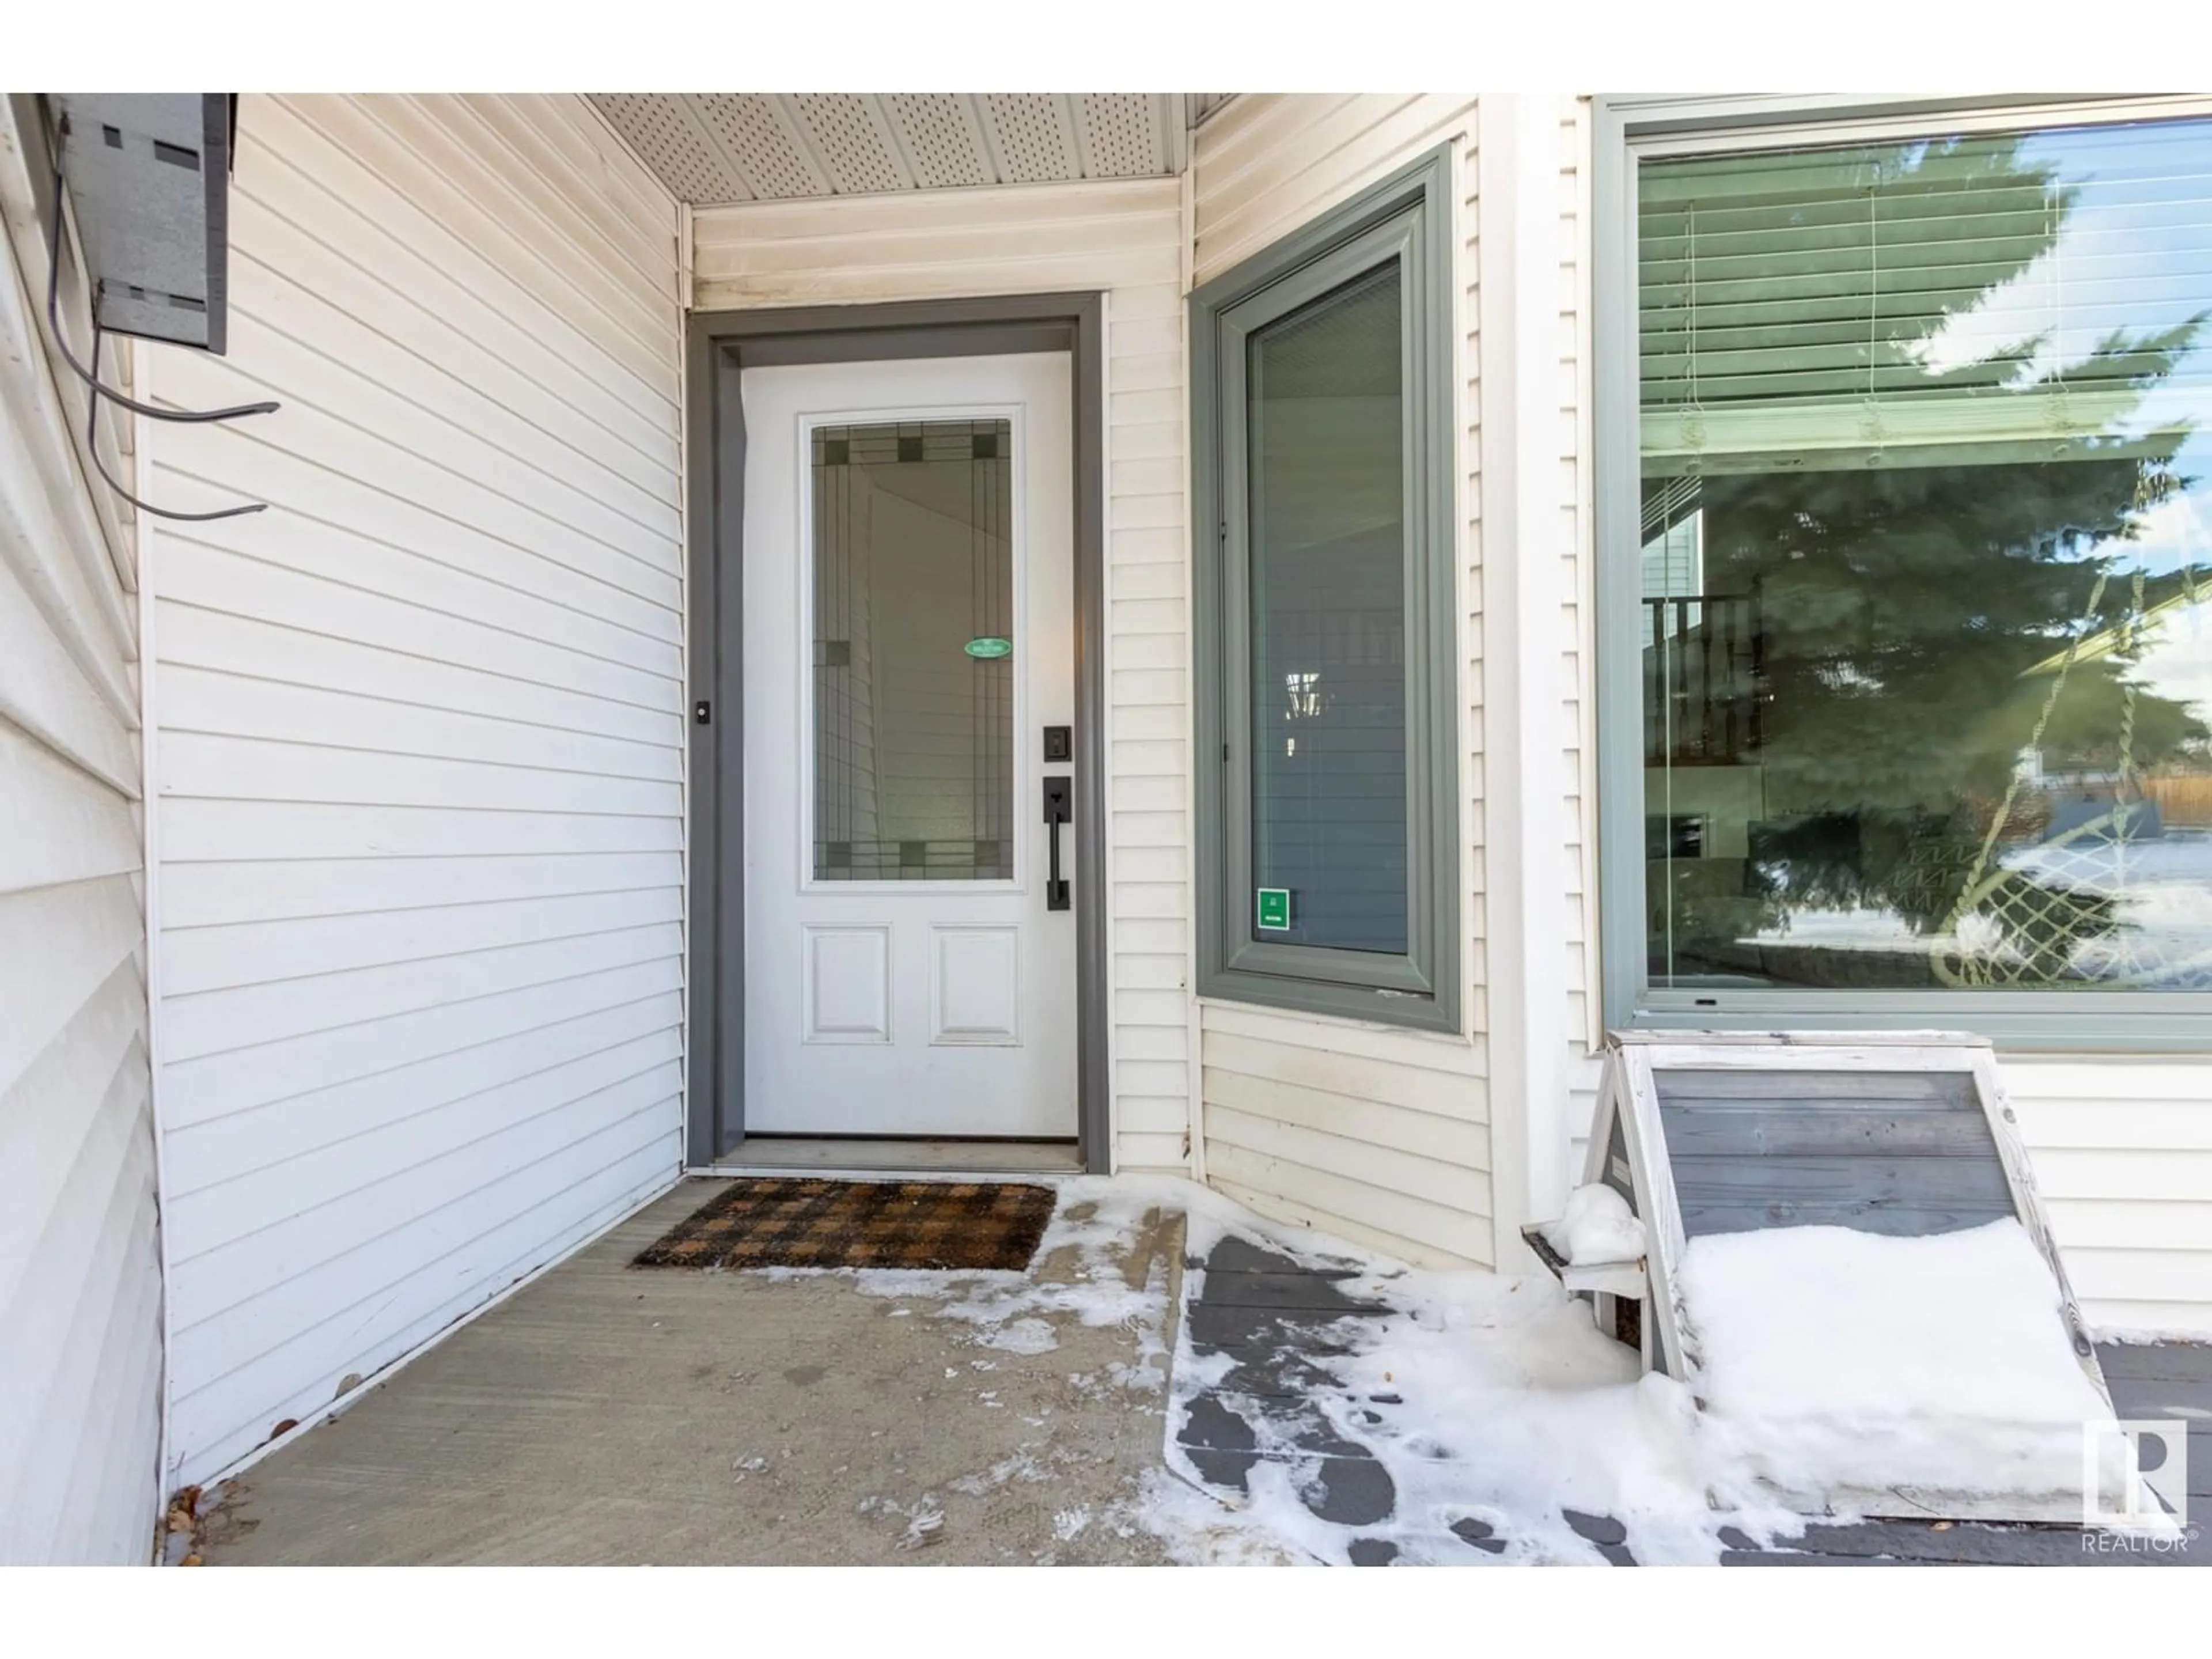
x=149 y=179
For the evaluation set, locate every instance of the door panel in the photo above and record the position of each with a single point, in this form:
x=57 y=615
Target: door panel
x=910 y=630
x=975 y=982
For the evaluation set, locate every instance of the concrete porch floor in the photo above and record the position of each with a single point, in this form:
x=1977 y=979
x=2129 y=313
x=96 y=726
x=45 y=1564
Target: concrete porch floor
x=607 y=1414
x=612 y=1415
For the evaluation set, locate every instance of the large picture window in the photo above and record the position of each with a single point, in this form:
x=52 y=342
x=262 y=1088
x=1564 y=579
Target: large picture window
x=1327 y=806
x=1912 y=599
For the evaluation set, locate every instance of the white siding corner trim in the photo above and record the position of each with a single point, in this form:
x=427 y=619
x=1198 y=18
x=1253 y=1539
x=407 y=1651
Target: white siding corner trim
x=80 y=1274
x=418 y=746
x=1532 y=831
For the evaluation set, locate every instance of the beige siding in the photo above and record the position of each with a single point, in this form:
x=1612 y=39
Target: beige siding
x=1375 y=1134
x=419 y=742
x=1268 y=162
x=80 y=1273
x=1123 y=238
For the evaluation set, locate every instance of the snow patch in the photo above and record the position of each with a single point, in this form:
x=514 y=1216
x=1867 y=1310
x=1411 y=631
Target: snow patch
x=1028 y=1336
x=1022 y=1466
x=1836 y=1360
x=1194 y=1530
x=1597 y=1229
x=1493 y=1404
x=1832 y=1364
x=1087 y=1241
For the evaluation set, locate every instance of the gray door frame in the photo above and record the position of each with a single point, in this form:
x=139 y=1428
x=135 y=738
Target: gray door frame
x=719 y=347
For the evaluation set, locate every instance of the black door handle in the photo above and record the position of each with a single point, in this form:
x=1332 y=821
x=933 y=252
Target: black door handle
x=1059 y=808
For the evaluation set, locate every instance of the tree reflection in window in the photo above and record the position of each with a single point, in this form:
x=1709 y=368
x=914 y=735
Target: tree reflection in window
x=1936 y=684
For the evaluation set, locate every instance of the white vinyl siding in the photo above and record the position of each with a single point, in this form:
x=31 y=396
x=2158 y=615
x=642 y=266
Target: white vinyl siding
x=80 y=1271
x=1123 y=238
x=419 y=742
x=2122 y=1151
x=1377 y=1134
x=1372 y=1133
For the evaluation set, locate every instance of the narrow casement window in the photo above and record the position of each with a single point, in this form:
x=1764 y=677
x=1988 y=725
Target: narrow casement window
x=1914 y=598
x=1328 y=800
x=1323 y=411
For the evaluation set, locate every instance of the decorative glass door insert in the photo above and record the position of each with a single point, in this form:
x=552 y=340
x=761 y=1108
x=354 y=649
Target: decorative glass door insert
x=915 y=661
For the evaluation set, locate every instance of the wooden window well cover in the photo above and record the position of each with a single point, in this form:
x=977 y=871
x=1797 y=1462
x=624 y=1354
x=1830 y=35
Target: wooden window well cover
x=1904 y=1133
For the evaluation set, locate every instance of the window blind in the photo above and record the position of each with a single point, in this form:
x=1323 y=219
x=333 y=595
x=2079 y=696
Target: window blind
x=1974 y=298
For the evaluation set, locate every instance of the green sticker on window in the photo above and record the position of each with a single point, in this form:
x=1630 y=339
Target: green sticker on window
x=989 y=649
x=1275 y=909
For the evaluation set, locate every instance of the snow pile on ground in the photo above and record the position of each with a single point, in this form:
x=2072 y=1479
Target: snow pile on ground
x=1504 y=1409
x=1835 y=1359
x=1598 y=1228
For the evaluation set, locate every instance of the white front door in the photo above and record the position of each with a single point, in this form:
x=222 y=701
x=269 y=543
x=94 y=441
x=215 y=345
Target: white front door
x=909 y=634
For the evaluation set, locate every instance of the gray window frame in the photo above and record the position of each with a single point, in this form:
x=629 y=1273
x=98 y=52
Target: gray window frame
x=1625 y=129
x=1406 y=217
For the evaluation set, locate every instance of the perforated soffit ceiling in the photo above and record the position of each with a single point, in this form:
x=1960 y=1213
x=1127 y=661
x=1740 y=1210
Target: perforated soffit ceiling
x=718 y=147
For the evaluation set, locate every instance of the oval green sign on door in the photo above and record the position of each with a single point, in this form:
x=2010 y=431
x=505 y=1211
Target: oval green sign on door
x=989 y=649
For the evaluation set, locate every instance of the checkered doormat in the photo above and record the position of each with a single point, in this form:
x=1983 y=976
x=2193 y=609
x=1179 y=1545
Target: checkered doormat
x=814 y=1222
